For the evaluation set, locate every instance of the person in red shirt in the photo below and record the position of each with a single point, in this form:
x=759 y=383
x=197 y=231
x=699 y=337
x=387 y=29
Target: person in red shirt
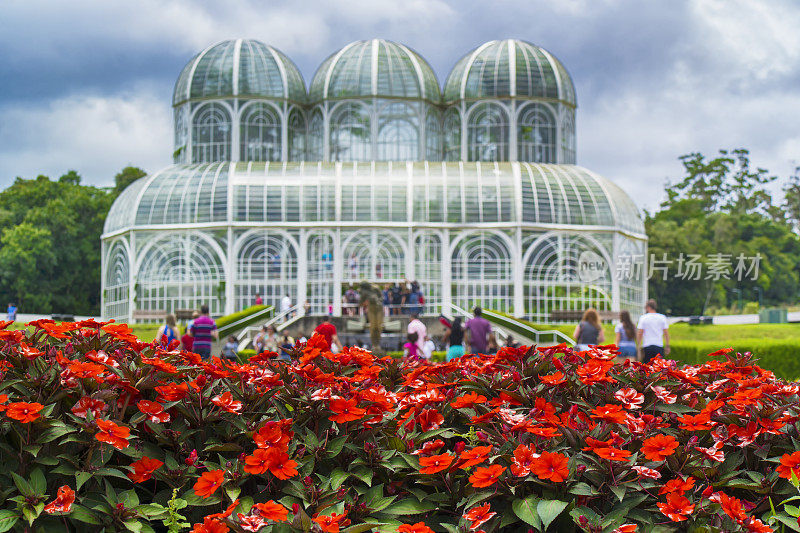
x=328 y=330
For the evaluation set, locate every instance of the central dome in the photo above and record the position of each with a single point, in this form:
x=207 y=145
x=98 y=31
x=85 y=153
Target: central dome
x=376 y=68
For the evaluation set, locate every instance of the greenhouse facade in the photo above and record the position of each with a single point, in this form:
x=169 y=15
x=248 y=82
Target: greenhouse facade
x=373 y=174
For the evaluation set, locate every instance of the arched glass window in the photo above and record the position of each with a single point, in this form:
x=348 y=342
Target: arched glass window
x=315 y=136
x=482 y=271
x=487 y=133
x=297 y=135
x=398 y=133
x=211 y=134
x=350 y=133
x=452 y=135
x=181 y=134
x=536 y=135
x=117 y=281
x=433 y=136
x=374 y=256
x=266 y=265
x=568 y=136
x=260 y=134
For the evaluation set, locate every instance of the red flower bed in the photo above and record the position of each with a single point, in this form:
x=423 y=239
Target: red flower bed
x=99 y=430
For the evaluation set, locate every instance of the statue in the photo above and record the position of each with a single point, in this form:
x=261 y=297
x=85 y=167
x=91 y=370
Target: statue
x=372 y=302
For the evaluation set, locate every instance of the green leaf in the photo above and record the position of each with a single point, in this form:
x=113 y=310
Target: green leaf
x=619 y=491
x=788 y=521
x=233 y=492
x=7 y=520
x=128 y=498
x=409 y=506
x=527 y=511
x=583 y=489
x=365 y=475
x=32 y=449
x=360 y=528
x=38 y=481
x=152 y=510
x=81 y=478
x=549 y=510
x=338 y=477
x=335 y=446
x=22 y=485
x=133 y=525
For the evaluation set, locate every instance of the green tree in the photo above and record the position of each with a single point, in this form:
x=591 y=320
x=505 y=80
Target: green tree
x=27 y=260
x=126 y=176
x=721 y=206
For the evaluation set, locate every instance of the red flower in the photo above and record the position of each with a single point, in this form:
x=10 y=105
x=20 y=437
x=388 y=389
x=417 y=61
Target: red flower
x=429 y=447
x=86 y=404
x=659 y=447
x=113 y=434
x=272 y=511
x=677 y=507
x=330 y=524
x=479 y=515
x=678 y=485
x=473 y=457
x=154 y=410
x=275 y=434
x=210 y=525
x=273 y=459
x=486 y=476
x=208 y=483
x=647 y=472
x=435 y=463
x=226 y=402
x=626 y=528
x=697 y=422
x=789 y=463
x=429 y=419
x=468 y=400
x=3 y=399
x=523 y=461
x=345 y=410
x=172 y=392
x=553 y=379
x=730 y=506
x=63 y=502
x=614 y=414
x=629 y=398
x=613 y=454
x=23 y=411
x=251 y=522
x=419 y=527
x=552 y=466
x=143 y=469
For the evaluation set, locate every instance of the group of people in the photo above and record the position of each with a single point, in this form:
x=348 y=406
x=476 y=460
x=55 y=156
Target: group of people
x=646 y=341
x=198 y=336
x=268 y=340
x=404 y=298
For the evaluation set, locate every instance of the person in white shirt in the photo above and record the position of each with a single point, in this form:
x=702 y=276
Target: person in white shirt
x=286 y=303
x=428 y=348
x=416 y=326
x=652 y=335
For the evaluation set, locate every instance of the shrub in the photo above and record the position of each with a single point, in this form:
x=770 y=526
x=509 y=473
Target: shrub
x=780 y=356
x=101 y=431
x=233 y=317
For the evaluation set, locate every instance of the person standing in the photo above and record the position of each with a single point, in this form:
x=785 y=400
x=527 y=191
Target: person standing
x=168 y=332
x=416 y=326
x=454 y=336
x=478 y=329
x=428 y=348
x=259 y=300
x=286 y=303
x=589 y=330
x=328 y=330
x=652 y=333
x=626 y=336
x=231 y=349
x=11 y=312
x=204 y=331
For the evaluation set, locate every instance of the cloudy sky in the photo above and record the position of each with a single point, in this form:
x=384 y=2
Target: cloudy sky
x=86 y=84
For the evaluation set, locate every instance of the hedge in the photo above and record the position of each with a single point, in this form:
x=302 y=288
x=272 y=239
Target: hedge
x=780 y=356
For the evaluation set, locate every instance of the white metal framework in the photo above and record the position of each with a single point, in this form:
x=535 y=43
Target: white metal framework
x=374 y=174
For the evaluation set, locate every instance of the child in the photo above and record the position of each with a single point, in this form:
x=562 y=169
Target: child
x=411 y=347
x=229 y=351
x=428 y=348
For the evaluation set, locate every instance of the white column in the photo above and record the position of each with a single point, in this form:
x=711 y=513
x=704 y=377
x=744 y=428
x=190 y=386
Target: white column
x=512 y=132
x=447 y=271
x=285 y=133
x=615 y=292
x=133 y=268
x=235 y=130
x=103 y=266
x=337 y=273
x=519 y=281
x=302 y=270
x=230 y=266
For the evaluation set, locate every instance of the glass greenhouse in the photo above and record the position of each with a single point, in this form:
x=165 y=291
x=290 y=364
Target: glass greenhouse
x=373 y=174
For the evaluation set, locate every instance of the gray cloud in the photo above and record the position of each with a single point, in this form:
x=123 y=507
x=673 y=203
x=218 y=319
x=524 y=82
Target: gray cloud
x=87 y=84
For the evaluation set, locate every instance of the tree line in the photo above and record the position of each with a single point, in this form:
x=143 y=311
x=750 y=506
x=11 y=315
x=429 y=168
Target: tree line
x=50 y=237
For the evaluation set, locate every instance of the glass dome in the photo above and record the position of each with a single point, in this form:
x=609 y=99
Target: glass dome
x=507 y=69
x=376 y=68
x=418 y=193
x=241 y=67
